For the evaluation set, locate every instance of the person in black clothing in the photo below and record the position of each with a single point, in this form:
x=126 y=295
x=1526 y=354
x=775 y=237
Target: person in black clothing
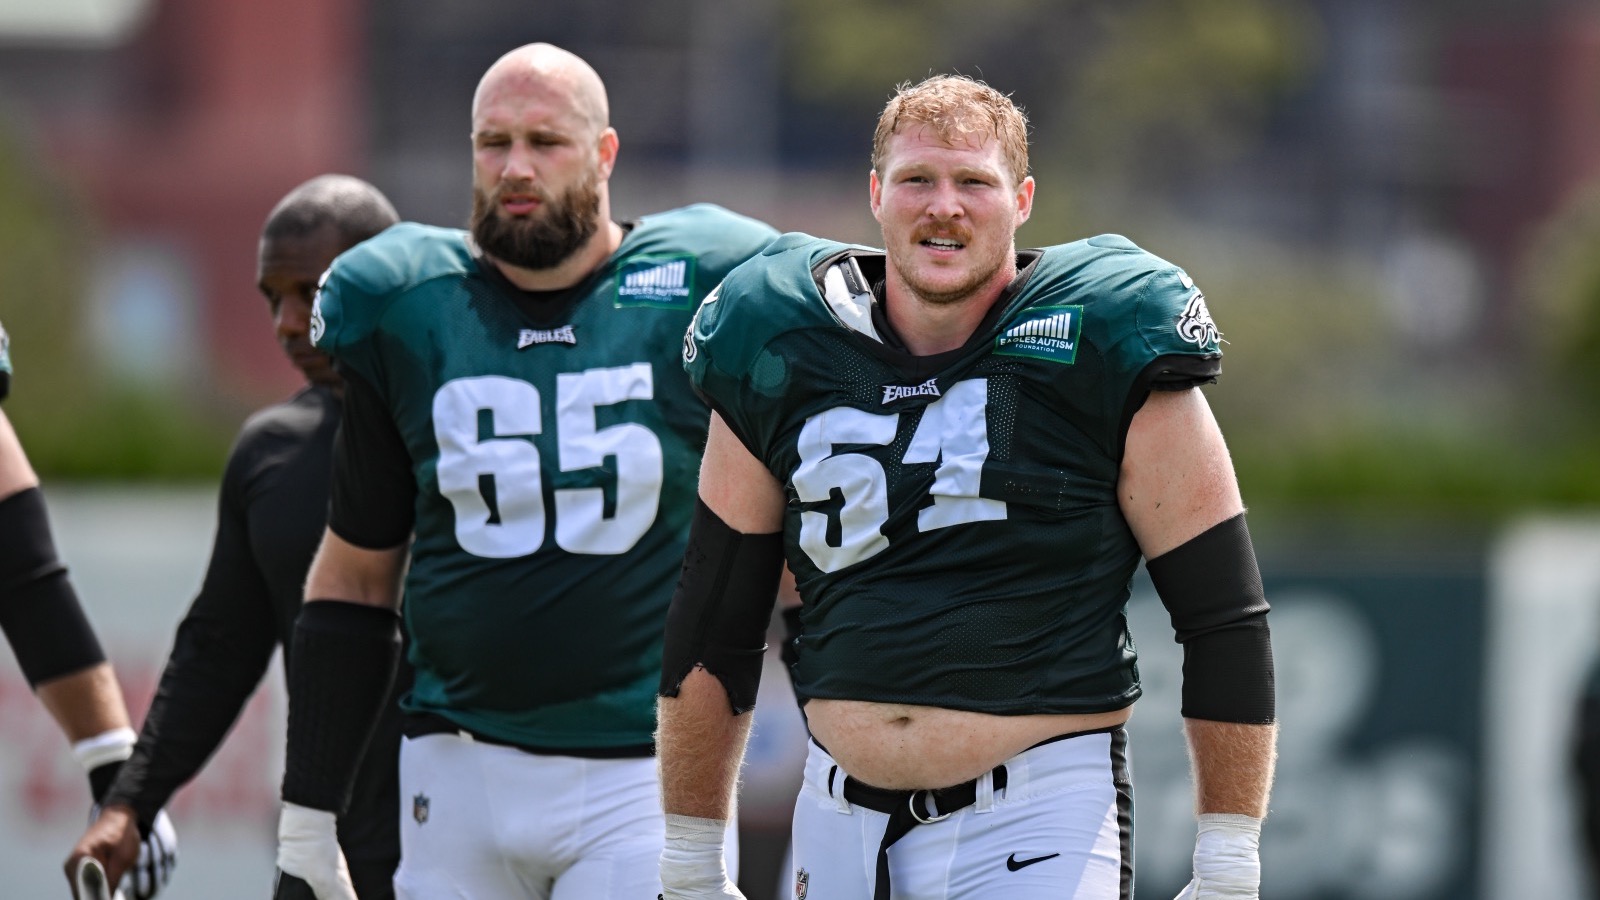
x=272 y=511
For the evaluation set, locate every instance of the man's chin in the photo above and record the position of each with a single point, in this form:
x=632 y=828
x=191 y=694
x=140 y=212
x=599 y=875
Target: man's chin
x=323 y=374
x=941 y=292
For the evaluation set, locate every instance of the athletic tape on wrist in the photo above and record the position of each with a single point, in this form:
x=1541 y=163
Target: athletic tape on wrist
x=692 y=856
x=1227 y=854
x=112 y=746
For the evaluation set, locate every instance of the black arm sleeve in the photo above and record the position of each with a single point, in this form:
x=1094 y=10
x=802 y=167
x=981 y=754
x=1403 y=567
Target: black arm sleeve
x=221 y=652
x=344 y=664
x=374 y=489
x=39 y=609
x=1211 y=587
x=719 y=613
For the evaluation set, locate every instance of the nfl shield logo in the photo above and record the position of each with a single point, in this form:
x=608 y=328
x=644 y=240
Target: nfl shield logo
x=802 y=880
x=419 y=808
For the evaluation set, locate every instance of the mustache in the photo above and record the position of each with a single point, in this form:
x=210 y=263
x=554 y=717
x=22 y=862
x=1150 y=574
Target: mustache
x=961 y=235
x=522 y=188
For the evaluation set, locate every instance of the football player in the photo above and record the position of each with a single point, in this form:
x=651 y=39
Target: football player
x=517 y=422
x=59 y=654
x=272 y=509
x=962 y=451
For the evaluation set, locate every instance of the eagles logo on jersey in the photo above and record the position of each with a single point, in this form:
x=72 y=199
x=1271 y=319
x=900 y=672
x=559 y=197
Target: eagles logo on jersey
x=969 y=493
x=319 y=326
x=5 y=363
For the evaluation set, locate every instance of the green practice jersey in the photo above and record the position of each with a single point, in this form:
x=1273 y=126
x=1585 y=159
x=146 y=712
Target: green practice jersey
x=555 y=464
x=952 y=520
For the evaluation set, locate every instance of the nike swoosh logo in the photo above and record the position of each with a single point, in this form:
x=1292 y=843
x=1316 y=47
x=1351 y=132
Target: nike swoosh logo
x=1014 y=864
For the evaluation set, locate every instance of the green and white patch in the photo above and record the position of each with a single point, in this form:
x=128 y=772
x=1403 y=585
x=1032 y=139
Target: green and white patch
x=663 y=282
x=1046 y=332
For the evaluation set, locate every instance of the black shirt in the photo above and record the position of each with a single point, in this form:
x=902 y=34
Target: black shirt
x=272 y=511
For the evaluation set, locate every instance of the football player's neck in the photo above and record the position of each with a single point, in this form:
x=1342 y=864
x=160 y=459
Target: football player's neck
x=333 y=385
x=929 y=325
x=575 y=268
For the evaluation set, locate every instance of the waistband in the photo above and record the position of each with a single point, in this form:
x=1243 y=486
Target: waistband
x=924 y=806
x=415 y=725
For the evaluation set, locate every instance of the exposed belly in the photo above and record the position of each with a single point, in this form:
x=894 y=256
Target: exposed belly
x=893 y=745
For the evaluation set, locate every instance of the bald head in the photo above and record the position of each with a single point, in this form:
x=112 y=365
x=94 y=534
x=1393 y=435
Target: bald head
x=546 y=67
x=353 y=208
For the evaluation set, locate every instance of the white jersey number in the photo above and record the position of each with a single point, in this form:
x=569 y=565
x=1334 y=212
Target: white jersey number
x=954 y=432
x=509 y=456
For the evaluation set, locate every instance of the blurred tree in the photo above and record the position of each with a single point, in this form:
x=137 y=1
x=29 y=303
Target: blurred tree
x=1133 y=83
x=1561 y=284
x=73 y=421
x=45 y=241
x=1170 y=87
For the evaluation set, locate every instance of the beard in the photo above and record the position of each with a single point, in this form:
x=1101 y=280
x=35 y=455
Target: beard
x=541 y=241
x=926 y=286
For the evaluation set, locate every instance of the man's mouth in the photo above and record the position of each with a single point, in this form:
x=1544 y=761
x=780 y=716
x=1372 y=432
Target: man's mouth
x=302 y=353
x=519 y=204
x=942 y=243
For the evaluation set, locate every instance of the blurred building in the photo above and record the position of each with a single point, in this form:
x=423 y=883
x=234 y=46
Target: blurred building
x=1431 y=138
x=177 y=124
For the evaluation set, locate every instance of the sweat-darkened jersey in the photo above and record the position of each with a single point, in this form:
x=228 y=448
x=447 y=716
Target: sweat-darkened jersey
x=555 y=464
x=952 y=521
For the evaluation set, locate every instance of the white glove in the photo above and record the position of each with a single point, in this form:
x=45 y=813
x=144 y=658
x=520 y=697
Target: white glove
x=158 y=850
x=158 y=856
x=1227 y=859
x=692 y=864
x=308 y=849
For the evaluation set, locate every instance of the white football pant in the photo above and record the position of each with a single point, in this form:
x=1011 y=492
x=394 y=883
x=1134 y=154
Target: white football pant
x=1060 y=829
x=486 y=822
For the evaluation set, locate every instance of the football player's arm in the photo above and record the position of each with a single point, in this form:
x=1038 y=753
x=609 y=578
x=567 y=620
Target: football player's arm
x=219 y=654
x=60 y=655
x=718 y=617
x=1178 y=492
x=58 y=651
x=346 y=642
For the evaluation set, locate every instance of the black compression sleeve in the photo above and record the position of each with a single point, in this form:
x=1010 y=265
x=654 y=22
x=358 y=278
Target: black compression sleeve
x=344 y=662
x=222 y=649
x=39 y=610
x=1211 y=587
x=373 y=495
x=720 y=610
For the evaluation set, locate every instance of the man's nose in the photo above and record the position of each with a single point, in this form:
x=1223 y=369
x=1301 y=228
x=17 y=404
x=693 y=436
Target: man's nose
x=293 y=317
x=945 y=204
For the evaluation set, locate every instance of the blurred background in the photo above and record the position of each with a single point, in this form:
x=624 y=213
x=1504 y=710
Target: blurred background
x=1393 y=208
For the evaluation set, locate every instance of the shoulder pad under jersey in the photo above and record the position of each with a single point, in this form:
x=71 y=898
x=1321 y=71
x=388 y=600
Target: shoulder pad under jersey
x=770 y=294
x=1136 y=307
x=717 y=239
x=366 y=279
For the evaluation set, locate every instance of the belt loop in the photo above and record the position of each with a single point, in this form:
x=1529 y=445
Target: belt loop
x=840 y=804
x=984 y=801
